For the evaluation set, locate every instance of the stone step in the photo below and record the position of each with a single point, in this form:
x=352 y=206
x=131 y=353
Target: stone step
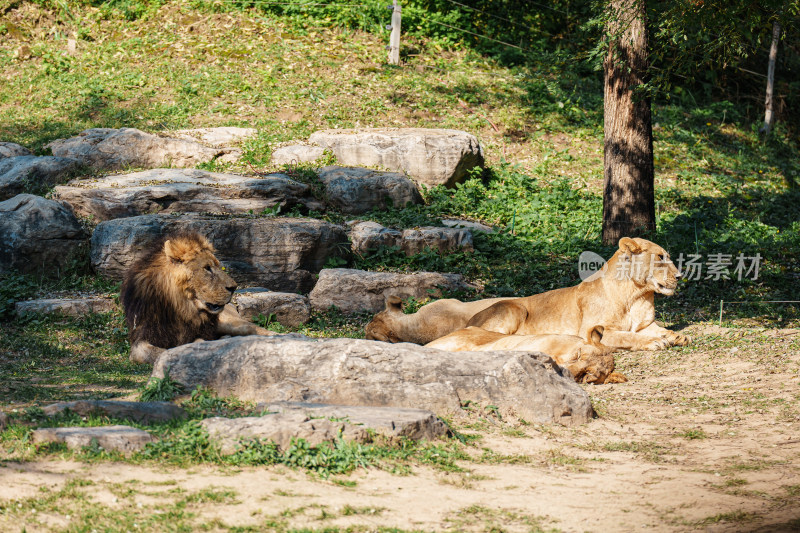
x=141 y=412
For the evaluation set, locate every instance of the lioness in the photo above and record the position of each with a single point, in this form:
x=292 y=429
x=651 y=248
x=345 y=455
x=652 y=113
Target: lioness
x=179 y=293
x=430 y=322
x=619 y=297
x=588 y=360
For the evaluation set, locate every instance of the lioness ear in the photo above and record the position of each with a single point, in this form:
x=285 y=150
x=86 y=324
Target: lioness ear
x=626 y=244
x=394 y=303
x=596 y=335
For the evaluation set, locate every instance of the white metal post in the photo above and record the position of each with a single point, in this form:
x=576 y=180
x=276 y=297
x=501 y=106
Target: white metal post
x=394 y=38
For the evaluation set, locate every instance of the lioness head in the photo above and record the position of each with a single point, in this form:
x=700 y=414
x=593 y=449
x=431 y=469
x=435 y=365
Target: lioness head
x=647 y=265
x=197 y=274
x=380 y=328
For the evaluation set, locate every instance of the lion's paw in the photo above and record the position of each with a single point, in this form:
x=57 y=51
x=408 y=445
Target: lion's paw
x=656 y=344
x=676 y=339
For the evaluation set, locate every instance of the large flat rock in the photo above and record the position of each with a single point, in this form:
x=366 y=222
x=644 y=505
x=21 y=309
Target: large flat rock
x=29 y=173
x=115 y=149
x=430 y=156
x=38 y=235
x=353 y=291
x=141 y=412
x=123 y=439
x=359 y=190
x=171 y=190
x=372 y=373
x=281 y=254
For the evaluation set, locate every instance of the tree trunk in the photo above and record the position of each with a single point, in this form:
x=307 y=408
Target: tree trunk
x=628 y=191
x=773 y=55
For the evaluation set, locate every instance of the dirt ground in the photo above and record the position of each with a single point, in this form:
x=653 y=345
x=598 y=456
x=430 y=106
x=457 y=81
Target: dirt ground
x=701 y=438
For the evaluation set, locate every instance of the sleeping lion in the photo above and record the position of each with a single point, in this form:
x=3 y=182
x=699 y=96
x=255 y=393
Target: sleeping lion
x=176 y=294
x=587 y=360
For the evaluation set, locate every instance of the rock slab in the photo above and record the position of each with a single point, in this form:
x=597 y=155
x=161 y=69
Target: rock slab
x=359 y=190
x=415 y=424
x=371 y=373
x=353 y=291
x=370 y=236
x=169 y=190
x=281 y=254
x=430 y=156
x=38 y=235
x=295 y=154
x=66 y=306
x=141 y=412
x=290 y=309
x=123 y=439
x=115 y=149
x=8 y=149
x=28 y=173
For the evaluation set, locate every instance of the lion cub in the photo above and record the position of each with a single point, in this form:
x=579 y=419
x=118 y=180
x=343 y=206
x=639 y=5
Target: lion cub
x=589 y=362
x=176 y=294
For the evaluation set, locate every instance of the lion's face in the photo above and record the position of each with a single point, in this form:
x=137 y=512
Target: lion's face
x=648 y=265
x=200 y=276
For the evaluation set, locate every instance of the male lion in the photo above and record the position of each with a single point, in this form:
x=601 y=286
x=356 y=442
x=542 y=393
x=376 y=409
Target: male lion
x=588 y=360
x=619 y=297
x=176 y=294
x=430 y=322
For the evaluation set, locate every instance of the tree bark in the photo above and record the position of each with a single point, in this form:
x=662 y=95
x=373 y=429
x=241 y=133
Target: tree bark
x=628 y=190
x=769 y=117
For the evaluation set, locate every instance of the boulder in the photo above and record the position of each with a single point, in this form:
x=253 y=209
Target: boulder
x=430 y=156
x=352 y=291
x=281 y=254
x=370 y=236
x=435 y=238
x=166 y=190
x=66 y=306
x=38 y=235
x=525 y=385
x=28 y=173
x=359 y=190
x=295 y=154
x=123 y=439
x=115 y=149
x=290 y=309
x=392 y=422
x=141 y=412
x=8 y=149
x=216 y=137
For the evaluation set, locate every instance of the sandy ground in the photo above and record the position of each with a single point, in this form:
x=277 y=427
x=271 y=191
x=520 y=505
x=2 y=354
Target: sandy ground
x=702 y=438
